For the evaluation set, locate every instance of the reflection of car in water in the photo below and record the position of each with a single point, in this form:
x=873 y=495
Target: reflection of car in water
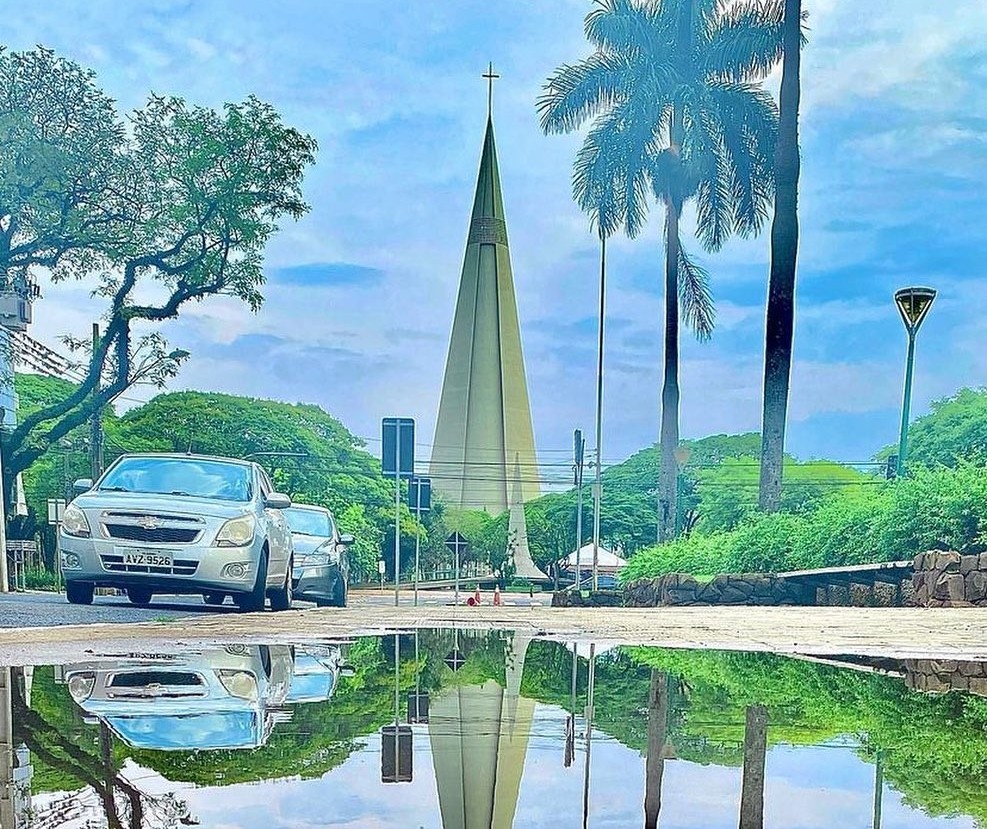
x=212 y=699
x=316 y=673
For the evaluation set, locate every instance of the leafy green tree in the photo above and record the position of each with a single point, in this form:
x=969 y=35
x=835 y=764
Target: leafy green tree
x=727 y=494
x=179 y=205
x=672 y=88
x=954 y=431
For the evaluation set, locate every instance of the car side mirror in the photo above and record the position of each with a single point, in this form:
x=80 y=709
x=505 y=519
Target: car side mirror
x=346 y=540
x=277 y=500
x=82 y=485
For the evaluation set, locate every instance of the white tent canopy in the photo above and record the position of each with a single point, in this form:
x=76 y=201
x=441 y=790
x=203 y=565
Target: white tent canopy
x=606 y=559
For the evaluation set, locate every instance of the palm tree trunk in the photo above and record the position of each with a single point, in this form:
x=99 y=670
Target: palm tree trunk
x=780 y=322
x=657 y=734
x=755 y=751
x=669 y=435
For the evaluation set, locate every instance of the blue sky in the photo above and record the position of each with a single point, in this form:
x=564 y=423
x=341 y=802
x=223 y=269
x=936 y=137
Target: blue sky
x=361 y=292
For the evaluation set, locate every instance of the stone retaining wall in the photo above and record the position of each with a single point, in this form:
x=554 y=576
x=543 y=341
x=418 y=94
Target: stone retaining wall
x=940 y=579
x=600 y=598
x=681 y=589
x=950 y=580
x=943 y=675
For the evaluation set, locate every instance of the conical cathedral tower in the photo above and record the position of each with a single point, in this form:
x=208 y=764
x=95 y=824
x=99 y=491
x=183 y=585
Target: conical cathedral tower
x=484 y=420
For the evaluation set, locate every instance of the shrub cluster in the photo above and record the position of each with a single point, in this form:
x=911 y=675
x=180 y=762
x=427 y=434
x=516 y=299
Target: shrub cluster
x=932 y=509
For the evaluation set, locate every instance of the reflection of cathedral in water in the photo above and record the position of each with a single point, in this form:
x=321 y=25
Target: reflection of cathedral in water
x=479 y=737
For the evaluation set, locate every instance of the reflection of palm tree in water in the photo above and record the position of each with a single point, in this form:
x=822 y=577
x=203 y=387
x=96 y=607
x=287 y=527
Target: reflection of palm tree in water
x=657 y=735
x=124 y=805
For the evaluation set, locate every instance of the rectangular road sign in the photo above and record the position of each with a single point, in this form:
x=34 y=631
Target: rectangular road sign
x=397 y=458
x=420 y=494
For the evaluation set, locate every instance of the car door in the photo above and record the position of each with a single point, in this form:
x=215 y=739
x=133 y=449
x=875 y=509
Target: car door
x=278 y=534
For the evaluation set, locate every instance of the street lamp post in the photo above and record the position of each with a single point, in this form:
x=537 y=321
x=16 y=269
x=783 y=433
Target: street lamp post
x=913 y=305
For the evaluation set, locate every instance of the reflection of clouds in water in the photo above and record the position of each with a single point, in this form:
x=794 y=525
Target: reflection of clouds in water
x=806 y=788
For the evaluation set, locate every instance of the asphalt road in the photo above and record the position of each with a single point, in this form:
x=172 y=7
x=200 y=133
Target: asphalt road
x=43 y=609
x=51 y=609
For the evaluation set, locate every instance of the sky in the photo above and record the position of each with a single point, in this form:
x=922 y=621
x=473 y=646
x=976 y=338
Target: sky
x=361 y=292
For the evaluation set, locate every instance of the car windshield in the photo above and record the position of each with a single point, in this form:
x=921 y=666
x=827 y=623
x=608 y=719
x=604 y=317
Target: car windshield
x=309 y=522
x=191 y=477
x=183 y=732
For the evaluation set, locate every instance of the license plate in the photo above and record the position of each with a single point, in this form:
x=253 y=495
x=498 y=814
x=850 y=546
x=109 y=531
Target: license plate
x=147 y=559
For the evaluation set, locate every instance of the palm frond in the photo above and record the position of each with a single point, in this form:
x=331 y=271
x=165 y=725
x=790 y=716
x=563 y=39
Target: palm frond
x=749 y=118
x=745 y=42
x=576 y=92
x=625 y=25
x=695 y=297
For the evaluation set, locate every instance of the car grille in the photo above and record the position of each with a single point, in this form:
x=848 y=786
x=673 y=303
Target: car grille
x=144 y=678
x=180 y=566
x=167 y=529
x=159 y=535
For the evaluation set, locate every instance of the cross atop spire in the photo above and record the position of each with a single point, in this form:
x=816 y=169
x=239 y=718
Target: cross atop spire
x=491 y=76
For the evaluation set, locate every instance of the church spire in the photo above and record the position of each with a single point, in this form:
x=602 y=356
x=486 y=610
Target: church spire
x=484 y=414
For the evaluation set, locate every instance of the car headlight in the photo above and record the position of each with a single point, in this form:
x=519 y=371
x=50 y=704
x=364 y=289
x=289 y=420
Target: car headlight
x=81 y=686
x=240 y=684
x=237 y=532
x=75 y=523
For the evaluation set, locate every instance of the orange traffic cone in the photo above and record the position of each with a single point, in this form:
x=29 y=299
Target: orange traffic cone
x=476 y=595
x=497 y=601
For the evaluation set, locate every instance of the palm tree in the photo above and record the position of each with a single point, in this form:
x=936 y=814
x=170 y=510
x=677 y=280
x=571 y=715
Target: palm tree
x=673 y=92
x=780 y=323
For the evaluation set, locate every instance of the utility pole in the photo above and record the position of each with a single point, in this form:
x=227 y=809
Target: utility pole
x=96 y=426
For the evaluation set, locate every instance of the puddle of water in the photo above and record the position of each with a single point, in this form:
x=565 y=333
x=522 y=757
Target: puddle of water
x=473 y=730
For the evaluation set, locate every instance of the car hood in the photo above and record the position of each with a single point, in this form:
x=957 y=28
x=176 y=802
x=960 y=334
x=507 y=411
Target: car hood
x=305 y=544
x=145 y=502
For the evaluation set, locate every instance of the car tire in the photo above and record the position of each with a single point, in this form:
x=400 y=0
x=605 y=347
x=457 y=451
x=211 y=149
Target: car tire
x=339 y=593
x=214 y=599
x=79 y=592
x=282 y=597
x=254 y=601
x=139 y=596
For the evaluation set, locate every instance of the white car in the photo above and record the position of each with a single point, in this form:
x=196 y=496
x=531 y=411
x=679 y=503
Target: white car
x=179 y=524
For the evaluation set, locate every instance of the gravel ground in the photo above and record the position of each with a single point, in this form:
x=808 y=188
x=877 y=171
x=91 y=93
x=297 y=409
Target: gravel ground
x=904 y=633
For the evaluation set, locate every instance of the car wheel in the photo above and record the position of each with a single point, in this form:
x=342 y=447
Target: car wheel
x=253 y=601
x=339 y=593
x=214 y=599
x=282 y=597
x=79 y=592
x=140 y=596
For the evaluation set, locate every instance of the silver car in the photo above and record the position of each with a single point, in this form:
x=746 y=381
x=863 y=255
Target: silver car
x=179 y=524
x=321 y=571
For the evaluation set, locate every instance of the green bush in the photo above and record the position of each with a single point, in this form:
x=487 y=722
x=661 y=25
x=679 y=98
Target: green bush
x=942 y=509
x=39 y=580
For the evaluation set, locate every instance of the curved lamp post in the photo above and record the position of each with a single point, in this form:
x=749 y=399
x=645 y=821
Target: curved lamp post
x=913 y=305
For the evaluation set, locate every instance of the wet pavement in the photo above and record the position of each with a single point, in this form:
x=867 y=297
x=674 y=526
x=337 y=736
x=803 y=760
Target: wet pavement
x=472 y=729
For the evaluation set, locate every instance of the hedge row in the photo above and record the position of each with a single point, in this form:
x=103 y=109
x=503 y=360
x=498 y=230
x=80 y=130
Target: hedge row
x=941 y=508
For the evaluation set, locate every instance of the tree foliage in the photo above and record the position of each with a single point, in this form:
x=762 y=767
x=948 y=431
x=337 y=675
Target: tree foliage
x=873 y=521
x=179 y=207
x=953 y=432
